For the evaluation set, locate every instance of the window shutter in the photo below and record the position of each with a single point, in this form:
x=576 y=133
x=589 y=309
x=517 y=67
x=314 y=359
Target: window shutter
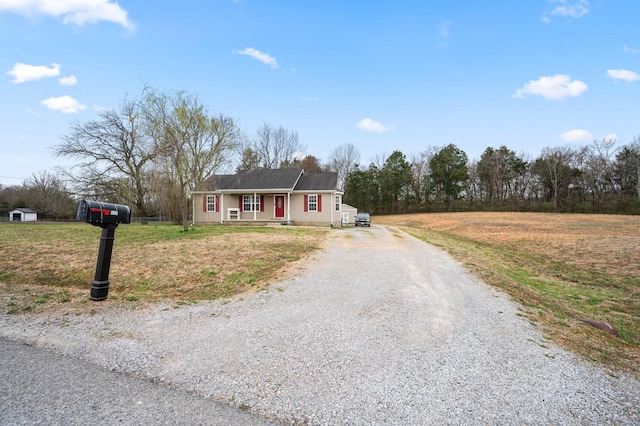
x=240 y=202
x=217 y=203
x=319 y=202
x=204 y=203
x=306 y=203
x=262 y=203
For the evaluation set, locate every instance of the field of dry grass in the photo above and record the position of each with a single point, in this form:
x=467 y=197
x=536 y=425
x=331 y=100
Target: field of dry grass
x=47 y=263
x=560 y=267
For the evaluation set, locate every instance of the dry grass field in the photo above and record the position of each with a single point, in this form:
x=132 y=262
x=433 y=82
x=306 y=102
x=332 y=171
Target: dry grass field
x=45 y=266
x=560 y=267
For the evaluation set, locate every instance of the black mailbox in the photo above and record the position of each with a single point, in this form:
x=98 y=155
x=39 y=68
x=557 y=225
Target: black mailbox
x=99 y=214
x=107 y=216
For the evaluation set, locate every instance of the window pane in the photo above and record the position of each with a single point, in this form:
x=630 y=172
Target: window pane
x=313 y=203
x=250 y=203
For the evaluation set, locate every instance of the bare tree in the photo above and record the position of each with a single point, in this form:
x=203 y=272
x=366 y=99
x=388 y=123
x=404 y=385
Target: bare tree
x=193 y=144
x=554 y=167
x=474 y=184
x=47 y=194
x=276 y=147
x=113 y=153
x=596 y=161
x=343 y=160
x=636 y=146
x=309 y=164
x=378 y=160
x=248 y=160
x=628 y=167
x=421 y=172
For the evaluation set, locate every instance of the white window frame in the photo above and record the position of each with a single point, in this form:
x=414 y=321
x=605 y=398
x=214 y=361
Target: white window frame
x=313 y=203
x=338 y=202
x=252 y=202
x=211 y=203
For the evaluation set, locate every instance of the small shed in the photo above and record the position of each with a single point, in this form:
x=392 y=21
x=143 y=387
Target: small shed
x=348 y=214
x=23 y=215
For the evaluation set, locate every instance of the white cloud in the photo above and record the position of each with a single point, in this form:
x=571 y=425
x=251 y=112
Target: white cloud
x=262 y=57
x=566 y=9
x=557 y=87
x=611 y=137
x=577 y=135
x=25 y=72
x=310 y=98
x=372 y=125
x=78 y=12
x=68 y=81
x=65 y=104
x=625 y=75
x=629 y=50
x=444 y=29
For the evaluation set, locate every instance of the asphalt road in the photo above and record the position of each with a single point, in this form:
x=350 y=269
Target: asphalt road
x=40 y=387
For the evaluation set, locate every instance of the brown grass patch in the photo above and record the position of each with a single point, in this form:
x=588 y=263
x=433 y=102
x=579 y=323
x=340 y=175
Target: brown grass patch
x=43 y=264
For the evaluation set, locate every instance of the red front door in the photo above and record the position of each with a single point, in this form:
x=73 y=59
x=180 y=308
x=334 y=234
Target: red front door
x=279 y=205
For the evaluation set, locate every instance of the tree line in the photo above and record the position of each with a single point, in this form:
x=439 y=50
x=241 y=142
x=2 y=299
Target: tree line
x=156 y=148
x=596 y=178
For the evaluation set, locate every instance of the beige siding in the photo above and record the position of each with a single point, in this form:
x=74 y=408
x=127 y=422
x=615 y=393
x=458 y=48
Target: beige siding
x=295 y=212
x=298 y=215
x=200 y=216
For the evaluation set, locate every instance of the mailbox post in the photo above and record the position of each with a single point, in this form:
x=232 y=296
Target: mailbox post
x=107 y=216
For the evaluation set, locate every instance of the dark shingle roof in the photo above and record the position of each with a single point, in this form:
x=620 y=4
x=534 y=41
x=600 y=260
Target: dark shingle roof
x=317 y=182
x=263 y=179
x=274 y=180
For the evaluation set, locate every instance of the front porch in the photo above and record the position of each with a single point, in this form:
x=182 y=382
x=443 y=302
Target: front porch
x=241 y=208
x=272 y=222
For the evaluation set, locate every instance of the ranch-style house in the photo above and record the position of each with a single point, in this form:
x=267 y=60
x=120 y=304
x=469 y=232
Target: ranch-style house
x=263 y=196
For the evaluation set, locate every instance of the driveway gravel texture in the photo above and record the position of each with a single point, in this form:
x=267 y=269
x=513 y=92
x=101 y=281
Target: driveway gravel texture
x=377 y=328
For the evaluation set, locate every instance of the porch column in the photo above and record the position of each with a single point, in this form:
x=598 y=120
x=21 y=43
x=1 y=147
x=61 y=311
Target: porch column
x=288 y=207
x=221 y=207
x=255 y=213
x=331 y=212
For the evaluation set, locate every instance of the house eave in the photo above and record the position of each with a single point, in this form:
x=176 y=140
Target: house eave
x=317 y=191
x=244 y=191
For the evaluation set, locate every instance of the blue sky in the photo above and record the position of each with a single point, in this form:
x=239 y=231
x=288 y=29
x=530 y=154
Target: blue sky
x=382 y=75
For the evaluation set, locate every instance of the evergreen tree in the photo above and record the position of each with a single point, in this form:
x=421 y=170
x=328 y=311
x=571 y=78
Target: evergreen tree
x=449 y=173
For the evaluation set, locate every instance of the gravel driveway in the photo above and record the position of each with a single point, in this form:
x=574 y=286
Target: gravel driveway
x=379 y=328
